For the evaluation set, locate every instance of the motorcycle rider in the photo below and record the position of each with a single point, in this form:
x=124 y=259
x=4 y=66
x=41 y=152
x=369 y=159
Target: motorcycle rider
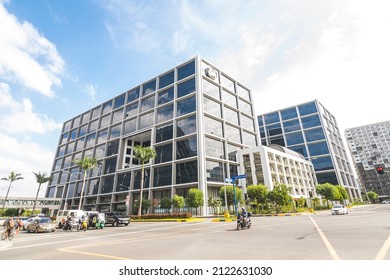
x=244 y=215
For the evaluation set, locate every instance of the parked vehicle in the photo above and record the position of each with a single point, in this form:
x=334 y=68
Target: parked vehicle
x=244 y=221
x=386 y=202
x=339 y=209
x=116 y=218
x=29 y=221
x=42 y=224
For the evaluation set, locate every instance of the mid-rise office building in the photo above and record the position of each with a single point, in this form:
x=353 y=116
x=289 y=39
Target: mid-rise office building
x=195 y=116
x=270 y=165
x=311 y=130
x=370 y=148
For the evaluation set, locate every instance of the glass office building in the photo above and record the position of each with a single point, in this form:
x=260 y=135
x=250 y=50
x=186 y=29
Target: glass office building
x=311 y=130
x=195 y=116
x=370 y=148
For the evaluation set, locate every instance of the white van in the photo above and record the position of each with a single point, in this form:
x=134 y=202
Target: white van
x=64 y=214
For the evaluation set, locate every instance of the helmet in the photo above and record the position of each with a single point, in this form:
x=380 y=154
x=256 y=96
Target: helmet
x=243 y=208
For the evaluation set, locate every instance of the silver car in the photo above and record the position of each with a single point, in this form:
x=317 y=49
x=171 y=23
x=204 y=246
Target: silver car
x=42 y=224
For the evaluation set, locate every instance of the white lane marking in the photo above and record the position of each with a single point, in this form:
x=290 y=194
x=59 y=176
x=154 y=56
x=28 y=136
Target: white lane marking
x=382 y=252
x=329 y=246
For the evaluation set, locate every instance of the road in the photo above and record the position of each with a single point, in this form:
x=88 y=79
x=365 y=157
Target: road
x=363 y=234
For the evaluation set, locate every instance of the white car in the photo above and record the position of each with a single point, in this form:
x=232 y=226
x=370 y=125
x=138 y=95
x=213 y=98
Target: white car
x=339 y=210
x=386 y=202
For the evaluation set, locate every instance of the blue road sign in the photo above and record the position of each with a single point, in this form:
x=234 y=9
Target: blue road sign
x=228 y=180
x=239 y=177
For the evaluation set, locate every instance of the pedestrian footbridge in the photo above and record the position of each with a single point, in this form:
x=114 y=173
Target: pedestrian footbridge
x=28 y=203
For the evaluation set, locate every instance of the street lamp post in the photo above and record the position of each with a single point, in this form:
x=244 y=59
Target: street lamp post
x=67 y=191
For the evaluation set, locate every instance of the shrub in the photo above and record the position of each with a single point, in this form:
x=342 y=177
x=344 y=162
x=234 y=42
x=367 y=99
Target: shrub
x=164 y=216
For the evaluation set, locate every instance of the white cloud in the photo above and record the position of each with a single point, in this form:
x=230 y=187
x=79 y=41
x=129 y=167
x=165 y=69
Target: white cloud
x=91 y=91
x=19 y=118
x=27 y=57
x=22 y=157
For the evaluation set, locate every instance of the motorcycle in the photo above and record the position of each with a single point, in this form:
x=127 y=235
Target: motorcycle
x=70 y=224
x=244 y=221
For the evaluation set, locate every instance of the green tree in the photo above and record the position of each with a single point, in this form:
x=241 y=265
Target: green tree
x=85 y=164
x=343 y=194
x=372 y=196
x=230 y=195
x=41 y=179
x=143 y=154
x=11 y=178
x=257 y=194
x=214 y=203
x=195 y=198
x=328 y=191
x=145 y=205
x=166 y=203
x=279 y=196
x=178 y=201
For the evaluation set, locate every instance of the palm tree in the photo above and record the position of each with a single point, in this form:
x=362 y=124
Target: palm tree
x=143 y=154
x=85 y=164
x=41 y=179
x=11 y=178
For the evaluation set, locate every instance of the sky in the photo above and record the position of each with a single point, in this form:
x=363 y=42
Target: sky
x=58 y=59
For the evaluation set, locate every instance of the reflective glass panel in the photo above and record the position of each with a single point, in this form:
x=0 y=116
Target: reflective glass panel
x=132 y=95
x=166 y=96
x=311 y=121
x=294 y=138
x=211 y=107
x=186 y=70
x=107 y=184
x=105 y=121
x=307 y=108
x=115 y=131
x=117 y=116
x=248 y=123
x=228 y=83
x=147 y=103
x=214 y=148
x=211 y=89
x=229 y=99
x=271 y=118
x=149 y=87
x=245 y=107
x=167 y=79
x=231 y=116
x=213 y=126
x=83 y=130
x=107 y=107
x=214 y=171
x=289 y=113
x=186 y=106
x=130 y=126
x=164 y=113
x=90 y=140
x=233 y=133
x=314 y=134
x=131 y=110
x=162 y=176
x=119 y=101
x=299 y=149
x=110 y=165
x=186 y=126
x=249 y=139
x=274 y=129
x=185 y=88
x=146 y=120
x=291 y=126
x=186 y=148
x=329 y=177
x=164 y=133
x=320 y=148
x=123 y=182
x=243 y=92
x=112 y=148
x=163 y=153
x=187 y=172
x=100 y=151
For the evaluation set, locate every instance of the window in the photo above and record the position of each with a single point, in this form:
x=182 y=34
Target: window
x=163 y=153
x=165 y=113
x=165 y=96
x=291 y=126
x=187 y=172
x=186 y=126
x=119 y=101
x=213 y=126
x=229 y=99
x=131 y=110
x=185 y=88
x=130 y=126
x=146 y=120
x=147 y=104
x=132 y=95
x=294 y=138
x=289 y=113
x=211 y=107
x=211 y=89
x=314 y=134
x=186 y=70
x=311 y=121
x=247 y=123
x=149 y=87
x=162 y=176
x=186 y=106
x=320 y=148
x=112 y=148
x=228 y=83
x=110 y=165
x=307 y=109
x=274 y=129
x=164 y=133
x=271 y=118
x=186 y=148
x=166 y=79
x=107 y=107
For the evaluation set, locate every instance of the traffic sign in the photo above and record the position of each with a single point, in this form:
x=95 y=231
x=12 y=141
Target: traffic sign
x=228 y=180
x=239 y=177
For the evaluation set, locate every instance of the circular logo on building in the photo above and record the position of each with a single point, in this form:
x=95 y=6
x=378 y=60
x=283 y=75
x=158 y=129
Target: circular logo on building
x=211 y=73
